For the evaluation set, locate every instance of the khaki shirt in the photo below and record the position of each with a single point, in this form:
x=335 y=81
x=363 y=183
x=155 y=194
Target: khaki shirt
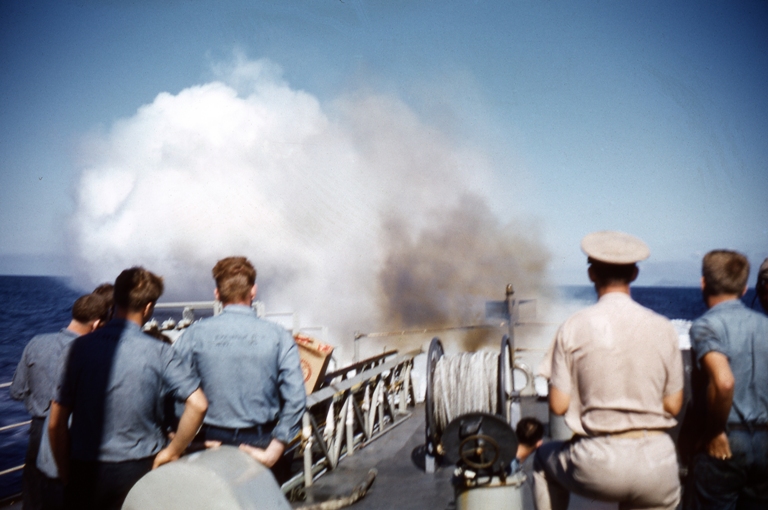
x=617 y=360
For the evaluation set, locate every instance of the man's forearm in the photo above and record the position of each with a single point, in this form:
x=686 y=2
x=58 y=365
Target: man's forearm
x=719 y=392
x=58 y=433
x=267 y=456
x=190 y=421
x=719 y=403
x=194 y=411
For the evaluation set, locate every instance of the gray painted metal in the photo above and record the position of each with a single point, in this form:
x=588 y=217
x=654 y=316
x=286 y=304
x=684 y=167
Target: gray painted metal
x=220 y=479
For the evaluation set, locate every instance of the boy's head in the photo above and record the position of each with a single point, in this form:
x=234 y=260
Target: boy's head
x=529 y=432
x=107 y=292
x=135 y=288
x=235 y=279
x=724 y=272
x=90 y=308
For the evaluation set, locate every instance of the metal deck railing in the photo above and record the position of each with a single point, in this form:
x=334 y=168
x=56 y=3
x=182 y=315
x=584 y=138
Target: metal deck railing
x=357 y=404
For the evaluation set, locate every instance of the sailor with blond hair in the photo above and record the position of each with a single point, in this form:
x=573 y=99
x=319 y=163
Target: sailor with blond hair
x=249 y=368
x=730 y=384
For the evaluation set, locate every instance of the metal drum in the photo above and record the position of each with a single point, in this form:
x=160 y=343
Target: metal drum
x=498 y=495
x=482 y=446
x=220 y=479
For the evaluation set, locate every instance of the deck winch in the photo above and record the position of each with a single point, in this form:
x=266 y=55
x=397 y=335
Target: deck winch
x=482 y=446
x=471 y=405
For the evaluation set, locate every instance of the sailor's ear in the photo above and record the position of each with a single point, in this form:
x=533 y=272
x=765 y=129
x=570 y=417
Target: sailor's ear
x=744 y=291
x=148 y=310
x=635 y=272
x=704 y=284
x=254 y=290
x=216 y=294
x=96 y=324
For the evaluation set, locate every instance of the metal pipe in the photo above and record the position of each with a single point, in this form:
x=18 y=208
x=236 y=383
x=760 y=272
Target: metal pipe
x=11 y=470
x=15 y=425
x=350 y=427
x=306 y=434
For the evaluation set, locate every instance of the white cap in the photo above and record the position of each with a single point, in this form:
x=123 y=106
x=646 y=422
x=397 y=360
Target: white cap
x=614 y=247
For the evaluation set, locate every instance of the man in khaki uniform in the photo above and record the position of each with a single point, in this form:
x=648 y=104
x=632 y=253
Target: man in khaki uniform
x=622 y=364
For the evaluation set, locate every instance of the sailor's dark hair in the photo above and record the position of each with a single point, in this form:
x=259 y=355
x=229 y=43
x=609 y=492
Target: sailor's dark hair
x=605 y=273
x=106 y=291
x=529 y=431
x=136 y=287
x=90 y=307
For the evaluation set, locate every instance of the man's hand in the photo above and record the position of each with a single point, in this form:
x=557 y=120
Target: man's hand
x=719 y=399
x=164 y=456
x=268 y=456
x=719 y=447
x=195 y=408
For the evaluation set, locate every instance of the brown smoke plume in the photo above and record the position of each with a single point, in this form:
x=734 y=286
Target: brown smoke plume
x=442 y=275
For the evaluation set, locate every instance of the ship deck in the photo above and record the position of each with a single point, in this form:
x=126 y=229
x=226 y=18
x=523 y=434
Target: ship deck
x=401 y=483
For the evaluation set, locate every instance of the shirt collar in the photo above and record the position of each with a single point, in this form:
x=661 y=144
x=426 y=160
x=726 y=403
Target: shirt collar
x=731 y=303
x=615 y=295
x=123 y=324
x=242 y=309
x=69 y=333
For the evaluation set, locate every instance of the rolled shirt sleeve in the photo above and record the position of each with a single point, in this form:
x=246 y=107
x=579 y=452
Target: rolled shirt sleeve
x=561 y=364
x=179 y=377
x=674 y=363
x=20 y=384
x=705 y=339
x=292 y=391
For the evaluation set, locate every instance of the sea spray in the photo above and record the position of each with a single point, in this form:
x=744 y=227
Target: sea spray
x=327 y=199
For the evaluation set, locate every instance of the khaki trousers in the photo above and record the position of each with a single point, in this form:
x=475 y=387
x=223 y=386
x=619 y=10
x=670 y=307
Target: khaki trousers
x=636 y=472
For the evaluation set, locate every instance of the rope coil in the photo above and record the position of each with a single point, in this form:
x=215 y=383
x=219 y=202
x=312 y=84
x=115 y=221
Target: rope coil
x=465 y=383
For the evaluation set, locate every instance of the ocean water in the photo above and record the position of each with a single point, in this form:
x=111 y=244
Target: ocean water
x=30 y=305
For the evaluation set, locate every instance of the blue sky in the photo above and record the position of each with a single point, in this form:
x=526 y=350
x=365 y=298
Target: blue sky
x=647 y=117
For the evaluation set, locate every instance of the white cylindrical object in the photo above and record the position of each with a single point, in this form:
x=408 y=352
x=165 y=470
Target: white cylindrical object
x=223 y=478
x=496 y=495
x=350 y=427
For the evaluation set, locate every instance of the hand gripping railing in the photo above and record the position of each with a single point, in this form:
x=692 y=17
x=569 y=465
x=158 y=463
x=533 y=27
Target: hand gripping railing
x=344 y=416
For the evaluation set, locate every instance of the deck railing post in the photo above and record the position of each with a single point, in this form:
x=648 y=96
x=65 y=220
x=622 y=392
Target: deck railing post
x=306 y=435
x=350 y=426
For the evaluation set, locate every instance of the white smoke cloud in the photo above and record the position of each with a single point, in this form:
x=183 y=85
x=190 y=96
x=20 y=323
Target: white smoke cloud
x=247 y=165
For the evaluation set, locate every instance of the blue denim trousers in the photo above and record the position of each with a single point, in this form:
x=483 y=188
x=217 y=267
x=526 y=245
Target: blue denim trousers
x=740 y=482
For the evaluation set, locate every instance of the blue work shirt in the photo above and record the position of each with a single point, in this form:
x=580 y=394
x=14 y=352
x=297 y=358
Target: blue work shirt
x=114 y=380
x=35 y=378
x=249 y=369
x=741 y=334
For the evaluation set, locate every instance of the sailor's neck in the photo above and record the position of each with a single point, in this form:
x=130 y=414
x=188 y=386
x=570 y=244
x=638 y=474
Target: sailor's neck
x=720 y=298
x=614 y=287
